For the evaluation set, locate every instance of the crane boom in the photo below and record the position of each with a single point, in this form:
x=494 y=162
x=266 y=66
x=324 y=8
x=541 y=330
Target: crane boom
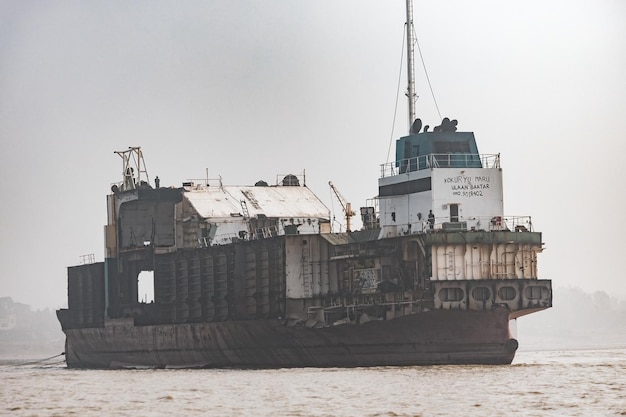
x=345 y=205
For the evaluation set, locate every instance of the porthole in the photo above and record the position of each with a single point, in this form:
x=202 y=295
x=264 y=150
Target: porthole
x=507 y=293
x=451 y=294
x=535 y=292
x=481 y=294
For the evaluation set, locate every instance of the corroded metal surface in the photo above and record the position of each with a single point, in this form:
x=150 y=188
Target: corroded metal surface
x=436 y=337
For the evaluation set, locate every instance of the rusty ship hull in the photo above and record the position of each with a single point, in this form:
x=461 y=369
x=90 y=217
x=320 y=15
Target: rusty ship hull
x=436 y=337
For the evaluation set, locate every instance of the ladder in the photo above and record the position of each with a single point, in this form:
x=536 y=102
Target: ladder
x=244 y=208
x=246 y=217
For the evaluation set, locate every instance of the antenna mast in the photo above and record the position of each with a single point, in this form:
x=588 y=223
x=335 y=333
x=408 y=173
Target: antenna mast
x=410 y=93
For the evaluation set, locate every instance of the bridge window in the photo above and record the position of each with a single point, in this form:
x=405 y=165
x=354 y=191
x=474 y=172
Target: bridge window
x=507 y=293
x=451 y=294
x=481 y=294
x=451 y=147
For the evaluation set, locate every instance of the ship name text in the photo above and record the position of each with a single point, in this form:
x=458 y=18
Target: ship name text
x=468 y=186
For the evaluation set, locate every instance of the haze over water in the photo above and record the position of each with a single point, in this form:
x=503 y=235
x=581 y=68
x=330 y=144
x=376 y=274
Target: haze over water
x=80 y=80
x=541 y=383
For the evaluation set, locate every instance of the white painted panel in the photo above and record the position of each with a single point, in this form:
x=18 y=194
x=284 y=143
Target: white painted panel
x=441 y=262
x=477 y=191
x=294 y=268
x=484 y=261
x=459 y=262
x=527 y=261
x=434 y=263
x=306 y=273
x=449 y=263
x=485 y=269
x=473 y=262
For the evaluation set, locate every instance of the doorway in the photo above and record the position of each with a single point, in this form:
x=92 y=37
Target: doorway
x=145 y=287
x=454 y=213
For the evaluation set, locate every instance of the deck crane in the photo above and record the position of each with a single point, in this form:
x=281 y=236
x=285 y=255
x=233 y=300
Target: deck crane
x=347 y=208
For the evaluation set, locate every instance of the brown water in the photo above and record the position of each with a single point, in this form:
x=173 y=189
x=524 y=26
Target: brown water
x=547 y=383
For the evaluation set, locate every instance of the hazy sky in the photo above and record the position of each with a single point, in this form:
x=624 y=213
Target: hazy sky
x=251 y=89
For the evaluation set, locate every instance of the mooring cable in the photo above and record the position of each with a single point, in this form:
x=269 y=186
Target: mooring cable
x=40 y=361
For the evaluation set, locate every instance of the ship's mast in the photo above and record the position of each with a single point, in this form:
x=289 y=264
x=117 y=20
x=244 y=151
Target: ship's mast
x=410 y=93
x=132 y=159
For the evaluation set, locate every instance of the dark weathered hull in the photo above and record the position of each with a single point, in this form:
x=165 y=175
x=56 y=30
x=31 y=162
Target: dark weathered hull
x=434 y=337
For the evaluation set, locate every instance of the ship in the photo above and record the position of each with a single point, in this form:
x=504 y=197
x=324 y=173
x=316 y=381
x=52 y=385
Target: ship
x=256 y=277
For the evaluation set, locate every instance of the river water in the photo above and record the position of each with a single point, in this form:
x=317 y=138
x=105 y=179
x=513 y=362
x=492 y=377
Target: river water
x=540 y=383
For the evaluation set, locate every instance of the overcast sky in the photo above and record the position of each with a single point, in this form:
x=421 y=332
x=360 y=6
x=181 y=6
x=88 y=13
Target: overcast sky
x=251 y=89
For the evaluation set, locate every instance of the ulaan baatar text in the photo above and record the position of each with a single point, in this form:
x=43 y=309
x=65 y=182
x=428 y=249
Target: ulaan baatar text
x=468 y=186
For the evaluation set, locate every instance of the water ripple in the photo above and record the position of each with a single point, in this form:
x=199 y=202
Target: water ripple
x=549 y=383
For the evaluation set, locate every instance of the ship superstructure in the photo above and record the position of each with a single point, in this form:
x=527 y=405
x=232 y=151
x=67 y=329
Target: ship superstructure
x=441 y=188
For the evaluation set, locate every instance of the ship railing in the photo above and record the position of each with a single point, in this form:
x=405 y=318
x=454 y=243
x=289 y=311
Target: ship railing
x=505 y=223
x=439 y=160
x=519 y=223
x=265 y=232
x=228 y=238
x=198 y=184
x=89 y=258
x=473 y=223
